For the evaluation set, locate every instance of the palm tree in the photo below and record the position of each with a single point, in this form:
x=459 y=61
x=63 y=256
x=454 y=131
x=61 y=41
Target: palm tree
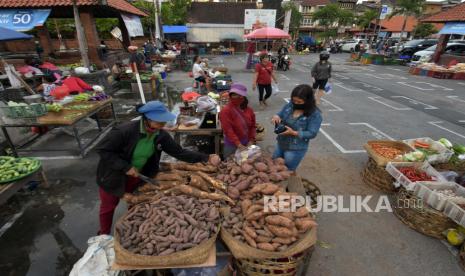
x=366 y=18
x=407 y=8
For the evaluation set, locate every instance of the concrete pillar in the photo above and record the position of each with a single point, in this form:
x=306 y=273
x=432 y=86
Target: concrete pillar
x=124 y=33
x=90 y=31
x=45 y=40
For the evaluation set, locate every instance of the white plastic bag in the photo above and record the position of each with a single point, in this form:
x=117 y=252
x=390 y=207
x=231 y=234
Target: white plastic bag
x=274 y=89
x=98 y=259
x=251 y=153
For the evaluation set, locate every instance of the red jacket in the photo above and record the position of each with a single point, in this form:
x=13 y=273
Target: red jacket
x=233 y=130
x=76 y=85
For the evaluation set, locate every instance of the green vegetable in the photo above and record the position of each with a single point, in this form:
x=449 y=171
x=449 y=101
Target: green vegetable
x=414 y=156
x=445 y=142
x=12 y=168
x=459 y=149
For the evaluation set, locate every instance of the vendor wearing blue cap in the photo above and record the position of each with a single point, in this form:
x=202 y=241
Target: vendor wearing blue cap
x=136 y=147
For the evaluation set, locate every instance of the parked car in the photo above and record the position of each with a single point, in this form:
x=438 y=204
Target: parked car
x=453 y=48
x=407 y=50
x=349 y=45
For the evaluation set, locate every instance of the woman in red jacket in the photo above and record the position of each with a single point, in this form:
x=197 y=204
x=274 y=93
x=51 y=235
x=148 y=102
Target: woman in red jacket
x=238 y=121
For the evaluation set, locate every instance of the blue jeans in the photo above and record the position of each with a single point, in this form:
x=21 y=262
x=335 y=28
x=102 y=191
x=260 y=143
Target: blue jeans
x=291 y=157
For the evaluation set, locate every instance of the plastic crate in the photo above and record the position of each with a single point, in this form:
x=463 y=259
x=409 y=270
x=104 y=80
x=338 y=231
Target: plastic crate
x=427 y=191
x=455 y=212
x=27 y=111
x=404 y=181
x=443 y=156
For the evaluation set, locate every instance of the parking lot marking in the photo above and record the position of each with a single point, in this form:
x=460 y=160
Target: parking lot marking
x=415 y=102
x=456 y=98
x=376 y=99
x=395 y=69
x=284 y=76
x=394 y=77
x=461 y=121
x=373 y=128
x=369 y=86
x=345 y=88
x=461 y=83
x=436 y=86
x=337 y=145
x=436 y=124
x=336 y=108
x=301 y=70
x=341 y=76
x=416 y=87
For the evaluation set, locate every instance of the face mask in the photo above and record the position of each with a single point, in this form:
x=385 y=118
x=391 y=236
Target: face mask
x=149 y=129
x=298 y=106
x=237 y=101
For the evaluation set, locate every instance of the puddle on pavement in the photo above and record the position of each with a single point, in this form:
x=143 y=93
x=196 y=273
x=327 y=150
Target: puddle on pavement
x=21 y=240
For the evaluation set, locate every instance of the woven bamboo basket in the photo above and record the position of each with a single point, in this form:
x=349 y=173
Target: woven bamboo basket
x=381 y=160
x=377 y=177
x=461 y=257
x=312 y=191
x=414 y=213
x=458 y=167
x=283 y=266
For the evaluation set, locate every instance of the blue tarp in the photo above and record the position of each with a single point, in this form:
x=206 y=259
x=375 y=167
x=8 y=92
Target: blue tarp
x=22 y=20
x=7 y=34
x=453 y=28
x=174 y=29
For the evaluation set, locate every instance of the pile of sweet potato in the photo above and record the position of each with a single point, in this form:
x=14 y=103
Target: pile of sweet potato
x=271 y=231
x=169 y=224
x=252 y=172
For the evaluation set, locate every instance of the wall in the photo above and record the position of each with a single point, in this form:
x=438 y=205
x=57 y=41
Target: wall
x=205 y=33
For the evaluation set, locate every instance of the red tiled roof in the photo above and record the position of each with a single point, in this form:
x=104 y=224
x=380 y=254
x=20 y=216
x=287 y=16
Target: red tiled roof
x=312 y=3
x=395 y=24
x=456 y=13
x=120 y=5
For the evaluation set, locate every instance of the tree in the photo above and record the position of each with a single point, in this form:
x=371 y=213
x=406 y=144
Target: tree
x=423 y=30
x=366 y=18
x=296 y=16
x=174 y=12
x=148 y=22
x=407 y=8
x=331 y=16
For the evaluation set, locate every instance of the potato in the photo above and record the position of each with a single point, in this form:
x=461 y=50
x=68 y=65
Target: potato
x=282 y=232
x=246 y=168
x=261 y=167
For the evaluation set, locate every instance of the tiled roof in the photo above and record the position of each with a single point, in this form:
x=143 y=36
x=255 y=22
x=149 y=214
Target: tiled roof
x=395 y=23
x=312 y=3
x=218 y=12
x=456 y=13
x=120 y=5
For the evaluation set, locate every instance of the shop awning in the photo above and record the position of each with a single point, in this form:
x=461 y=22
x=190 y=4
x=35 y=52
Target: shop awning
x=453 y=28
x=174 y=29
x=7 y=35
x=23 y=20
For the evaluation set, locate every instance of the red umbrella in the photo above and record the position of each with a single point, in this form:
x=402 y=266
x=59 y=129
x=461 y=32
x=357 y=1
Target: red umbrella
x=268 y=33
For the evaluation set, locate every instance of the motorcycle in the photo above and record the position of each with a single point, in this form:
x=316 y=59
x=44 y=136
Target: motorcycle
x=284 y=62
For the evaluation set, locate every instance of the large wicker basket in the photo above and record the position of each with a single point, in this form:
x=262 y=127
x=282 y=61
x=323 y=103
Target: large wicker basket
x=312 y=191
x=416 y=214
x=458 y=167
x=381 y=160
x=377 y=177
x=294 y=265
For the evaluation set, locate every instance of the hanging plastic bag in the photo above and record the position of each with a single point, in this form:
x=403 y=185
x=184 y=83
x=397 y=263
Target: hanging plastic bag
x=328 y=88
x=274 y=89
x=205 y=103
x=251 y=153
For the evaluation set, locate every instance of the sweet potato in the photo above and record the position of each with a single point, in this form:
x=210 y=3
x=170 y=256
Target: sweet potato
x=260 y=166
x=288 y=215
x=263 y=177
x=280 y=161
x=276 y=245
x=254 y=208
x=303 y=225
x=263 y=239
x=212 y=181
x=246 y=168
x=250 y=232
x=281 y=168
x=301 y=212
x=168 y=177
x=249 y=240
x=283 y=240
x=259 y=187
x=279 y=231
x=255 y=216
x=243 y=185
x=215 y=160
x=270 y=189
x=245 y=205
x=236 y=170
x=279 y=221
x=265 y=246
x=233 y=192
x=264 y=233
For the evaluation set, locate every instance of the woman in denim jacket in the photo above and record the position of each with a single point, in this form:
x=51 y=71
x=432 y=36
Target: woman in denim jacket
x=302 y=119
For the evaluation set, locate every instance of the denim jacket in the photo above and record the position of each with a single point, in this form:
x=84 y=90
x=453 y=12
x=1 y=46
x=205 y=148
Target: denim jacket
x=307 y=127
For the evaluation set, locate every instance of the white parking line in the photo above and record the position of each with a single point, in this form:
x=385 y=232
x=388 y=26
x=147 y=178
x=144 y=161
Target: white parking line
x=373 y=128
x=436 y=124
x=415 y=102
x=436 y=86
x=341 y=76
x=416 y=87
x=369 y=86
x=461 y=121
x=376 y=99
x=461 y=83
x=345 y=88
x=395 y=69
x=337 y=145
x=336 y=108
x=301 y=70
x=456 y=98
x=284 y=76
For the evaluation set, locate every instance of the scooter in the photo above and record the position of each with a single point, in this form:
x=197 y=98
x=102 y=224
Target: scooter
x=284 y=62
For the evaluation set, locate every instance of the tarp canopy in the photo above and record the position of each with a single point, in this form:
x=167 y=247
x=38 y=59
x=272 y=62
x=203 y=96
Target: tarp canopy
x=174 y=29
x=22 y=20
x=453 y=28
x=7 y=35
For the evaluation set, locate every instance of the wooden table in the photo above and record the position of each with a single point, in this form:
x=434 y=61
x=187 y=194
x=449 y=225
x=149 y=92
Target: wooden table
x=9 y=189
x=64 y=118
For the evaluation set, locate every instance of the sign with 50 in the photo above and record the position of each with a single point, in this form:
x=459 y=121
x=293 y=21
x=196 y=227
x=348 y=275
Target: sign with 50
x=23 y=19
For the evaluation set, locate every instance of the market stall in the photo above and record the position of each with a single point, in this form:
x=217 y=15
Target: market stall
x=176 y=223
x=425 y=179
x=456 y=71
